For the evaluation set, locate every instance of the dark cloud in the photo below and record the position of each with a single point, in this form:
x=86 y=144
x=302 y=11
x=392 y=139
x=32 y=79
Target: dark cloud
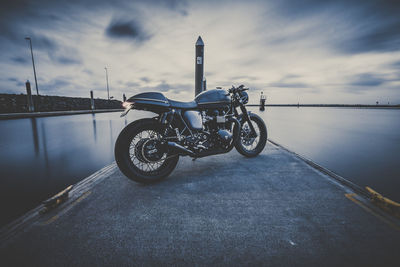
x=177 y=5
x=12 y=79
x=119 y=28
x=42 y=43
x=19 y=59
x=16 y=81
x=288 y=81
x=17 y=42
x=68 y=60
x=288 y=85
x=381 y=37
x=132 y=84
x=163 y=86
x=55 y=86
x=145 y=79
x=395 y=65
x=366 y=79
x=371 y=25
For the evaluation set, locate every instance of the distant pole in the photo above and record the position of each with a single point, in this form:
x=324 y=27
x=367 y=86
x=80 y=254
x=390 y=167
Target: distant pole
x=108 y=90
x=29 y=96
x=204 y=84
x=91 y=100
x=124 y=97
x=33 y=64
x=199 y=70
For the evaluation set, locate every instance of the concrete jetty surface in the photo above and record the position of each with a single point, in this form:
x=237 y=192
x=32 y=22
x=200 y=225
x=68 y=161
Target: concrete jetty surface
x=272 y=210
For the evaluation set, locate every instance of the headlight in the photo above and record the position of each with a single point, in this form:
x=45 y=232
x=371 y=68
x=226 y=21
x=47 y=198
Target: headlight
x=244 y=97
x=127 y=104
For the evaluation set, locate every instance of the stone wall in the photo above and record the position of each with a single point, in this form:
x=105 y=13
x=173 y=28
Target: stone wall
x=11 y=103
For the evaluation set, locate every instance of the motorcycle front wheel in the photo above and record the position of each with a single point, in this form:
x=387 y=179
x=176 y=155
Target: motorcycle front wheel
x=251 y=145
x=140 y=156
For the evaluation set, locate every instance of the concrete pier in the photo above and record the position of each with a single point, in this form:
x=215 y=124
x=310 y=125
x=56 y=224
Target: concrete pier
x=272 y=210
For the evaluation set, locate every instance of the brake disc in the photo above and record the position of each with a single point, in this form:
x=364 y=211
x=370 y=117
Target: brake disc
x=152 y=150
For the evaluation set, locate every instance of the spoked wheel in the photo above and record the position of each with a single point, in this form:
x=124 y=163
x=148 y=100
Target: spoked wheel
x=140 y=155
x=251 y=144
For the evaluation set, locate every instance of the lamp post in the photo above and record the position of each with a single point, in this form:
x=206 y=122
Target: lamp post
x=33 y=63
x=108 y=90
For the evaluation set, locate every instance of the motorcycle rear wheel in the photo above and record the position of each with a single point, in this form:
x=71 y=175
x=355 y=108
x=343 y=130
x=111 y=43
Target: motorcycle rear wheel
x=130 y=153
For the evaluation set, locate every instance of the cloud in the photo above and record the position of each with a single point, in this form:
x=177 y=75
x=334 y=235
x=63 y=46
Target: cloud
x=43 y=43
x=367 y=79
x=16 y=81
x=288 y=85
x=165 y=87
x=395 y=64
x=19 y=59
x=340 y=47
x=145 y=79
x=88 y=72
x=120 y=28
x=68 y=60
x=357 y=26
x=289 y=81
x=382 y=37
x=58 y=86
x=243 y=78
x=132 y=84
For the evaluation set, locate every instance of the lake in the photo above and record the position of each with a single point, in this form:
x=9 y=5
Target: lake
x=40 y=157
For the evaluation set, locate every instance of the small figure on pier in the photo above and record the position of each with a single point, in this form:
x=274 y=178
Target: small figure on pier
x=263 y=98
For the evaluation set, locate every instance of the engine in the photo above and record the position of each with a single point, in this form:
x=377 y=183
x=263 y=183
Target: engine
x=216 y=123
x=209 y=129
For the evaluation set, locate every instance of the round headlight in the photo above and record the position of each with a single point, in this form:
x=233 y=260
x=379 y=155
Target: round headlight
x=244 y=97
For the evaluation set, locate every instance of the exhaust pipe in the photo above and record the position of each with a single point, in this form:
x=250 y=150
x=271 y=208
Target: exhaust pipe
x=181 y=148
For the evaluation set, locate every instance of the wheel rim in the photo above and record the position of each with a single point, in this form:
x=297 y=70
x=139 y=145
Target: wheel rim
x=137 y=151
x=249 y=143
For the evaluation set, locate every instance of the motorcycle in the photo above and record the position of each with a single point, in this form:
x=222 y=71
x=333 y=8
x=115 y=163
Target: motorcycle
x=147 y=150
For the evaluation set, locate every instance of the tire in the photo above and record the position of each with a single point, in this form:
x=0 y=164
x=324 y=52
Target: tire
x=242 y=148
x=124 y=146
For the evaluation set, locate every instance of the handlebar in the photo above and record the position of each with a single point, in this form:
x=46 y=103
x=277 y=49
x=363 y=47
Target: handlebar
x=240 y=88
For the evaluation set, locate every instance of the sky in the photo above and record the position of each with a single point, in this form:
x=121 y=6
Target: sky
x=305 y=51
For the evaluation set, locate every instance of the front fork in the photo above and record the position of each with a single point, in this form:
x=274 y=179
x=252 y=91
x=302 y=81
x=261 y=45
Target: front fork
x=246 y=117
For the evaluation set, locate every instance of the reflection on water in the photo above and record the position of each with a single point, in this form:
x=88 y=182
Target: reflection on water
x=362 y=145
x=35 y=135
x=41 y=156
x=94 y=127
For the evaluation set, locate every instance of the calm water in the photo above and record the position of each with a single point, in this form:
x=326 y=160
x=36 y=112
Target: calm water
x=362 y=145
x=39 y=157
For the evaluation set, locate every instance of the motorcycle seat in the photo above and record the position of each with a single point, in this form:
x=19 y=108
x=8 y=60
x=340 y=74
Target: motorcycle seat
x=182 y=105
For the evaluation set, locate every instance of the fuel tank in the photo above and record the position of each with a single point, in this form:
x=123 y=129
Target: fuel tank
x=213 y=98
x=193 y=119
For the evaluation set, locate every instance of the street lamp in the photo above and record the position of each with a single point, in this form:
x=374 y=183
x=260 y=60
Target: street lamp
x=108 y=91
x=33 y=63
